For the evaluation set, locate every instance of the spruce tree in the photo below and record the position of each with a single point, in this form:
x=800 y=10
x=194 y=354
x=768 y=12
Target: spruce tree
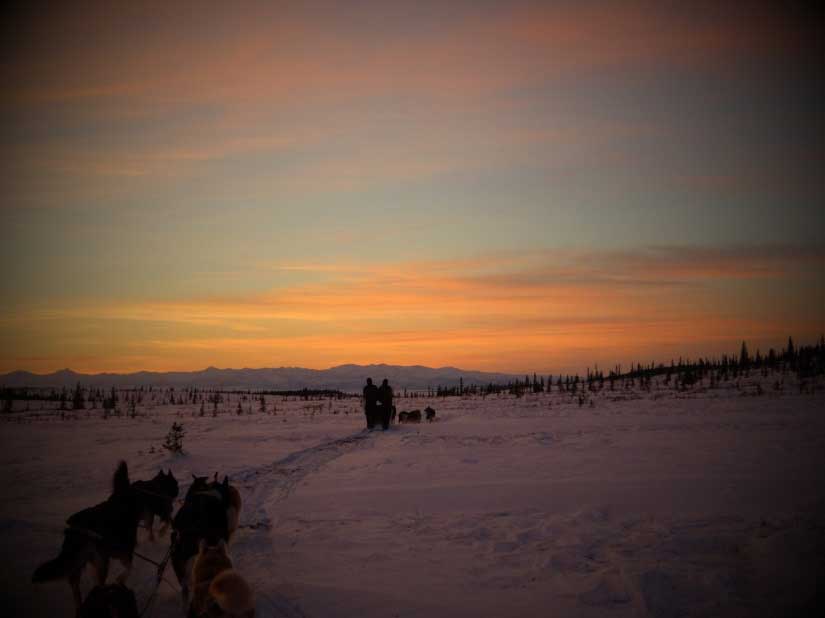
x=77 y=398
x=744 y=359
x=174 y=439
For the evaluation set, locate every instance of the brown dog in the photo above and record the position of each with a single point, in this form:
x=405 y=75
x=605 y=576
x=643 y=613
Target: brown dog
x=217 y=589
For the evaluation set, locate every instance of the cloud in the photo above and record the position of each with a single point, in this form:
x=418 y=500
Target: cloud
x=288 y=52
x=137 y=95
x=661 y=265
x=556 y=283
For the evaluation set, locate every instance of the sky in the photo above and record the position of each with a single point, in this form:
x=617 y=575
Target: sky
x=491 y=185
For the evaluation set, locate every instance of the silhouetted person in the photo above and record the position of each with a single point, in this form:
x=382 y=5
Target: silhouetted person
x=385 y=397
x=370 y=403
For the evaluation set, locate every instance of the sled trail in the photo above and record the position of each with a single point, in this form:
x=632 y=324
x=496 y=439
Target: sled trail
x=267 y=485
x=262 y=489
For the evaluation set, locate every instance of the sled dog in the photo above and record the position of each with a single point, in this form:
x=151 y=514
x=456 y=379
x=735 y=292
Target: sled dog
x=209 y=513
x=217 y=589
x=95 y=535
x=156 y=498
x=413 y=416
x=232 y=499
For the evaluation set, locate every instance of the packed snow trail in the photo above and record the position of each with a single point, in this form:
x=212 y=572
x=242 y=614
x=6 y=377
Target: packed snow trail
x=265 y=486
x=262 y=489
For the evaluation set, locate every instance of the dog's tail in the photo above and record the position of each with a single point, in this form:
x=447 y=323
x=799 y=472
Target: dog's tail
x=120 y=481
x=58 y=568
x=233 y=594
x=69 y=560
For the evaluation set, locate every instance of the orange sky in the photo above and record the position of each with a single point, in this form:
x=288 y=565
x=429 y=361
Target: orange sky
x=519 y=311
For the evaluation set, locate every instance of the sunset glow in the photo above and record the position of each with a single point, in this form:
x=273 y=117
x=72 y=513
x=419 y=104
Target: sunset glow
x=506 y=186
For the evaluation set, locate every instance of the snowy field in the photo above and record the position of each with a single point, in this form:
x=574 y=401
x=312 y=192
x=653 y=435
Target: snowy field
x=662 y=503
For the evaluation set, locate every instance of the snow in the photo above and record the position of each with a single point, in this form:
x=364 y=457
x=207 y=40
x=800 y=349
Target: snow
x=665 y=503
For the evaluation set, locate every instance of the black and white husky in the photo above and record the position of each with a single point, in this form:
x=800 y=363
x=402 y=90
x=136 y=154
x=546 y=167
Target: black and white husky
x=96 y=535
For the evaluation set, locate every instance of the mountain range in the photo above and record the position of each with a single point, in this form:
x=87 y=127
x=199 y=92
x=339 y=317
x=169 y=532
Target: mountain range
x=343 y=377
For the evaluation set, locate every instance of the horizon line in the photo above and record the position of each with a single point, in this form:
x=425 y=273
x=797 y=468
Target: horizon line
x=500 y=372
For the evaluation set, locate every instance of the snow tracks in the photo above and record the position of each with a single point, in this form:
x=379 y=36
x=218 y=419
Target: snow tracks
x=262 y=489
x=265 y=486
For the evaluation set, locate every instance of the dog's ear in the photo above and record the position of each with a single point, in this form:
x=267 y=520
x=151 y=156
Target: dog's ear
x=226 y=481
x=194 y=477
x=215 y=479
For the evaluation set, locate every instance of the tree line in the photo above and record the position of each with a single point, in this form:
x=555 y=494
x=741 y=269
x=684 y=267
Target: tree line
x=805 y=362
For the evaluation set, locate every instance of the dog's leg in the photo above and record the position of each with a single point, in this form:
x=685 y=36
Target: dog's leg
x=164 y=527
x=127 y=563
x=74 y=582
x=150 y=522
x=184 y=583
x=232 y=521
x=100 y=562
x=184 y=597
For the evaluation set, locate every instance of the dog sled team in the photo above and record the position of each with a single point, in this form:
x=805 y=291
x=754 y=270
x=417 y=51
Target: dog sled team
x=201 y=531
x=379 y=409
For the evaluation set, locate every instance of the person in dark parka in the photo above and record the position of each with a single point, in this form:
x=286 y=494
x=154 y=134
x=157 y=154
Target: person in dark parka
x=385 y=397
x=370 y=403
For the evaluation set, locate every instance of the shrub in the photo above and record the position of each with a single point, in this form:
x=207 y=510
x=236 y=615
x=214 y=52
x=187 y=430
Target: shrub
x=174 y=439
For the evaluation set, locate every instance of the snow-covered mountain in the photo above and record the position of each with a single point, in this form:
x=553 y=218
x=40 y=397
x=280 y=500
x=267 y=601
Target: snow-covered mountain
x=343 y=377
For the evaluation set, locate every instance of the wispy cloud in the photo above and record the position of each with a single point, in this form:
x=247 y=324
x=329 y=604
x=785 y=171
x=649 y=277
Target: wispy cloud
x=287 y=52
x=556 y=283
x=126 y=91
